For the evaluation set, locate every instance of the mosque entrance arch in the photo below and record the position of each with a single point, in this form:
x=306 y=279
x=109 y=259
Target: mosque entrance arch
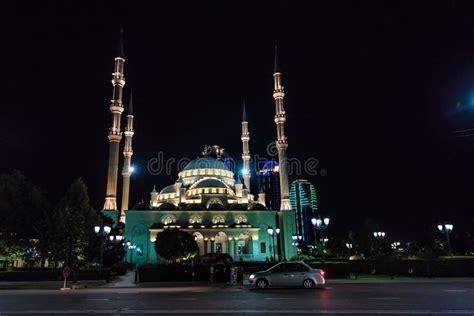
x=244 y=244
x=221 y=243
x=199 y=238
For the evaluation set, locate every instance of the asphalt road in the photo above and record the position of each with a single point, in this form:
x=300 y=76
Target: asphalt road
x=437 y=298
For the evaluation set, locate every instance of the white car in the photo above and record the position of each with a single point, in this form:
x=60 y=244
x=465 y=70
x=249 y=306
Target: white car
x=288 y=274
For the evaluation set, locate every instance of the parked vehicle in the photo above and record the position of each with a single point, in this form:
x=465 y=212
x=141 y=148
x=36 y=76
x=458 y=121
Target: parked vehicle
x=288 y=274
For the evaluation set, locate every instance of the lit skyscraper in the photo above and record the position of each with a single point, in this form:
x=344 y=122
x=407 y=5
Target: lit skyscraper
x=269 y=184
x=305 y=204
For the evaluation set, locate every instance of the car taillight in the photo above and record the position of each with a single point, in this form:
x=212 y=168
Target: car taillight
x=321 y=272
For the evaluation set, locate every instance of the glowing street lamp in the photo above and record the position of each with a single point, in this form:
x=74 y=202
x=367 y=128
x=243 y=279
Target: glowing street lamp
x=115 y=238
x=349 y=247
x=320 y=225
x=379 y=235
x=447 y=229
x=270 y=233
x=277 y=231
x=131 y=247
x=102 y=231
x=395 y=245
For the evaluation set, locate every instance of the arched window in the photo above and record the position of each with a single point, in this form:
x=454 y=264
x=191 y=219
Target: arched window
x=214 y=201
x=218 y=219
x=240 y=219
x=195 y=219
x=168 y=219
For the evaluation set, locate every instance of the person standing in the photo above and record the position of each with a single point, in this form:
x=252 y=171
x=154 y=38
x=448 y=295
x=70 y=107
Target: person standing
x=211 y=273
x=240 y=274
x=233 y=274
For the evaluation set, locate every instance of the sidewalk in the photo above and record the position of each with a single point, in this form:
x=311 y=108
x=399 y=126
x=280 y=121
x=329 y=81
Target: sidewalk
x=396 y=279
x=46 y=285
x=123 y=281
x=191 y=284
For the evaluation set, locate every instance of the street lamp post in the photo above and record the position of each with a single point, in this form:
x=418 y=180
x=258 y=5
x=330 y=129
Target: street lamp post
x=396 y=247
x=277 y=236
x=270 y=233
x=349 y=248
x=447 y=228
x=296 y=241
x=379 y=236
x=102 y=231
x=131 y=247
x=320 y=225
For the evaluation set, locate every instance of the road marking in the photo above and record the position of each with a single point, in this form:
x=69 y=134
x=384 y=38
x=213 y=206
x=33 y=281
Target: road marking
x=238 y=311
x=280 y=298
x=96 y=299
x=455 y=290
x=182 y=299
x=384 y=298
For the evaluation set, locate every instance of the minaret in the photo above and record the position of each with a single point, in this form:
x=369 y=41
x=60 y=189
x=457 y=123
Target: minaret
x=115 y=135
x=127 y=159
x=245 y=149
x=281 y=142
x=154 y=197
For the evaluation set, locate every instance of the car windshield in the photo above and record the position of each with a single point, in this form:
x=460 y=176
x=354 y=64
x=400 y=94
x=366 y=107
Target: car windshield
x=289 y=266
x=273 y=267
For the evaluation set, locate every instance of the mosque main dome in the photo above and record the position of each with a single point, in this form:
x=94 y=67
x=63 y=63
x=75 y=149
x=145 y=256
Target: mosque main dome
x=206 y=162
x=206 y=180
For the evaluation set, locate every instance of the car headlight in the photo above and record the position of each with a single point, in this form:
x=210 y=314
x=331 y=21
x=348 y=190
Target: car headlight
x=252 y=276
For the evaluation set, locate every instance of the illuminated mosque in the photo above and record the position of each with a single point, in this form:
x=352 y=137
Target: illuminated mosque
x=207 y=199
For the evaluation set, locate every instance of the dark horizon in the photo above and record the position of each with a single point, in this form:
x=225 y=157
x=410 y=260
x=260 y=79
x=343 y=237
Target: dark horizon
x=373 y=92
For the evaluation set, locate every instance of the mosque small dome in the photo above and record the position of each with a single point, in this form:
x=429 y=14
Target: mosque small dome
x=141 y=206
x=167 y=206
x=169 y=189
x=257 y=207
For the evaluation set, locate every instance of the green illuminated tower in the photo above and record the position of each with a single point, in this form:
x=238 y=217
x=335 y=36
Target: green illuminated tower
x=305 y=204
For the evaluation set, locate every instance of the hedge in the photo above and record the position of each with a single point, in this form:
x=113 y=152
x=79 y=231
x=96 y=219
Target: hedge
x=416 y=267
x=53 y=275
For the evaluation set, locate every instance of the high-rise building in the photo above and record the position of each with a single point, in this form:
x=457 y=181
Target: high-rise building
x=269 y=184
x=305 y=204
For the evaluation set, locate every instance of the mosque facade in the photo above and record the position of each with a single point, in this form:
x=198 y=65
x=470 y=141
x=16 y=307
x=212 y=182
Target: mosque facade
x=207 y=200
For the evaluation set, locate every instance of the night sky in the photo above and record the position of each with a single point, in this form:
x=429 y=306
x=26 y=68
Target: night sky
x=373 y=91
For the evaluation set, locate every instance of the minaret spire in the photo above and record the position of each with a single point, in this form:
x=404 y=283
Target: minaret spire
x=115 y=135
x=245 y=149
x=281 y=142
x=120 y=50
x=127 y=160
x=276 y=65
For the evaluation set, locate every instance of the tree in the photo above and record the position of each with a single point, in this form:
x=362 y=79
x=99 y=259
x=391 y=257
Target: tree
x=364 y=238
x=69 y=230
x=175 y=245
x=23 y=206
